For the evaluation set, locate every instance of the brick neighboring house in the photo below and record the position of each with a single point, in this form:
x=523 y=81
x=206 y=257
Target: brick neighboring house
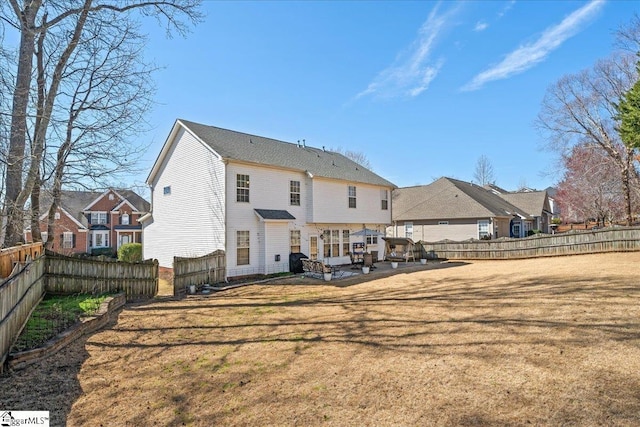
x=88 y=222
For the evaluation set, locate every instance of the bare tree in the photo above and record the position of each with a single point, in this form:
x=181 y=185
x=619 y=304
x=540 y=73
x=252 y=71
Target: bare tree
x=581 y=109
x=590 y=187
x=104 y=95
x=36 y=21
x=483 y=173
x=357 y=156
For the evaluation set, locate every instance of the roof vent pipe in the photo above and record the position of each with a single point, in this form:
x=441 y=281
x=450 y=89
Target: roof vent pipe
x=304 y=143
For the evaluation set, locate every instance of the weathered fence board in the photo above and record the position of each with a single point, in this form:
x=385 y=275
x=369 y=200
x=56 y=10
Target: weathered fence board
x=9 y=257
x=19 y=295
x=209 y=268
x=616 y=239
x=69 y=275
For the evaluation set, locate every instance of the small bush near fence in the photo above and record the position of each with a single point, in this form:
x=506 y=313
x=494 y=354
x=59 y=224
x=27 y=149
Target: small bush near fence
x=130 y=252
x=52 y=316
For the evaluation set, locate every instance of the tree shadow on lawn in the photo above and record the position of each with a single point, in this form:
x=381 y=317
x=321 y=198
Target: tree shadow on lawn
x=50 y=384
x=377 y=317
x=531 y=321
x=426 y=317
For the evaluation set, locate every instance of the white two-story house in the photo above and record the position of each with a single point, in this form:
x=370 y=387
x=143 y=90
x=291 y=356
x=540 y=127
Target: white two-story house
x=259 y=200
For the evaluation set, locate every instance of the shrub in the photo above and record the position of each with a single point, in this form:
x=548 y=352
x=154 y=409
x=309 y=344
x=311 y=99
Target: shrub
x=108 y=252
x=130 y=252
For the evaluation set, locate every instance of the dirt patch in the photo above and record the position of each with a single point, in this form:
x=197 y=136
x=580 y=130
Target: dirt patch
x=552 y=341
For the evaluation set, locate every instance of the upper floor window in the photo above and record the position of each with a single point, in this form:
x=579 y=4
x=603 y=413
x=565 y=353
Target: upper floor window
x=242 y=188
x=98 y=217
x=384 y=199
x=111 y=197
x=56 y=215
x=352 y=196
x=294 y=193
x=124 y=219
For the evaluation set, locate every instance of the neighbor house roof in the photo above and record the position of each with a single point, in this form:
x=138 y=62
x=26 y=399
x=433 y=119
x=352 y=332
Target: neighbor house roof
x=448 y=198
x=238 y=146
x=74 y=202
x=531 y=202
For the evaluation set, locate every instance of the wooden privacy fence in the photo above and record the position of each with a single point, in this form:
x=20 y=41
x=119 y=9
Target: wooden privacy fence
x=69 y=275
x=198 y=271
x=18 y=254
x=616 y=239
x=18 y=296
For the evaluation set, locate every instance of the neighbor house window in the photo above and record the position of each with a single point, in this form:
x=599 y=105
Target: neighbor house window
x=372 y=240
x=483 y=229
x=294 y=193
x=166 y=190
x=56 y=215
x=98 y=217
x=110 y=196
x=45 y=236
x=242 y=188
x=242 y=246
x=125 y=219
x=100 y=239
x=294 y=238
x=67 y=240
x=384 y=199
x=408 y=230
x=352 y=196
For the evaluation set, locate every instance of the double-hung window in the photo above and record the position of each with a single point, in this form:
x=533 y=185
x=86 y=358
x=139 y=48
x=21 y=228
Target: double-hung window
x=483 y=229
x=67 y=240
x=242 y=247
x=352 y=196
x=294 y=238
x=294 y=193
x=384 y=199
x=408 y=230
x=242 y=188
x=98 y=217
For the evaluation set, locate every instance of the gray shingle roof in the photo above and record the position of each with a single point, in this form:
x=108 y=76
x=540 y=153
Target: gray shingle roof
x=274 y=214
x=75 y=201
x=532 y=202
x=266 y=151
x=449 y=198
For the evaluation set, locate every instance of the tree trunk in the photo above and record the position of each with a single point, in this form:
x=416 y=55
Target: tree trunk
x=17 y=139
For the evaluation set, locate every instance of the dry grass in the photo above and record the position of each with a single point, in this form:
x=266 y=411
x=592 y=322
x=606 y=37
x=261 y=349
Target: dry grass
x=544 y=342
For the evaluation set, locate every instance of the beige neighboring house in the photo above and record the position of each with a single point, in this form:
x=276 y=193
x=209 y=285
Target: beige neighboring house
x=535 y=203
x=457 y=210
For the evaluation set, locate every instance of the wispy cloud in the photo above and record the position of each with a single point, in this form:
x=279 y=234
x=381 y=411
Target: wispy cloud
x=529 y=55
x=413 y=70
x=481 y=26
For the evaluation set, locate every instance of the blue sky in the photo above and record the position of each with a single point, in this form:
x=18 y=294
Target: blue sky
x=422 y=88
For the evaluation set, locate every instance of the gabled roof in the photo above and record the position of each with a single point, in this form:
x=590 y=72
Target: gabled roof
x=531 y=202
x=75 y=202
x=135 y=201
x=242 y=147
x=448 y=198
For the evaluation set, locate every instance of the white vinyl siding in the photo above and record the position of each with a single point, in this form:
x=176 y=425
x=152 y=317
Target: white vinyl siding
x=191 y=221
x=328 y=208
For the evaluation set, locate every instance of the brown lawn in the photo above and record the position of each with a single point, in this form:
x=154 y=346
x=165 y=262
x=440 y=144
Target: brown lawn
x=551 y=341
